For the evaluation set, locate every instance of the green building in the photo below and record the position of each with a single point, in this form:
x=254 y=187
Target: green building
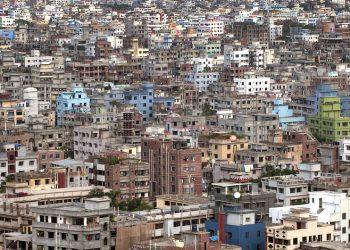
x=328 y=124
x=209 y=49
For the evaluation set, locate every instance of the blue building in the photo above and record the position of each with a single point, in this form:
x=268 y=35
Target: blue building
x=328 y=90
x=238 y=228
x=7 y=34
x=144 y=100
x=285 y=115
x=74 y=101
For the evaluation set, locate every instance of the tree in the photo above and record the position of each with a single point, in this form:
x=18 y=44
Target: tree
x=114 y=197
x=96 y=193
x=207 y=111
x=68 y=151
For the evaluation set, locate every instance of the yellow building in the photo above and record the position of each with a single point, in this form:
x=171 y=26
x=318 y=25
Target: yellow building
x=31 y=181
x=136 y=51
x=297 y=227
x=224 y=146
x=10 y=115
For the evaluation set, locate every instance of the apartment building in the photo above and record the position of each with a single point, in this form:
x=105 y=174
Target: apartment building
x=174 y=168
x=254 y=126
x=14 y=158
x=91 y=140
x=252 y=84
x=329 y=207
x=248 y=32
x=290 y=190
x=35 y=59
x=130 y=177
x=297 y=227
x=74 y=101
x=46 y=157
x=73 y=226
x=224 y=146
x=251 y=198
x=70 y=173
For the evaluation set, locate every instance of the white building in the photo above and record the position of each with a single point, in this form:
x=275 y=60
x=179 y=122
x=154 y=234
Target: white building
x=23 y=162
x=215 y=27
x=290 y=190
x=308 y=171
x=35 y=59
x=202 y=80
x=6 y=21
x=329 y=207
x=275 y=31
x=252 y=84
x=344 y=149
x=238 y=56
x=116 y=41
x=200 y=64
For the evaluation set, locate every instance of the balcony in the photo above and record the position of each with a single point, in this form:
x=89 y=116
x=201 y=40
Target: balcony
x=77 y=228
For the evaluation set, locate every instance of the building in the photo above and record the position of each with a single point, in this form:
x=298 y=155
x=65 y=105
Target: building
x=46 y=157
x=238 y=228
x=174 y=168
x=70 y=173
x=252 y=84
x=328 y=124
x=328 y=207
x=255 y=126
x=142 y=99
x=290 y=190
x=224 y=146
x=130 y=177
x=75 y=225
x=285 y=115
x=297 y=227
x=344 y=149
x=14 y=158
x=251 y=198
x=309 y=143
x=74 y=101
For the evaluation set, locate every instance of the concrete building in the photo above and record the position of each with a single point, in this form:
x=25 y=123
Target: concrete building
x=73 y=226
x=285 y=115
x=251 y=198
x=299 y=226
x=328 y=207
x=174 y=168
x=328 y=124
x=224 y=146
x=74 y=101
x=35 y=59
x=254 y=126
x=129 y=177
x=70 y=173
x=290 y=190
x=252 y=84
x=14 y=158
x=238 y=228
x=344 y=149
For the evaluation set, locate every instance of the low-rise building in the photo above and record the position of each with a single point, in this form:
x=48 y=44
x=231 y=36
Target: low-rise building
x=299 y=226
x=75 y=225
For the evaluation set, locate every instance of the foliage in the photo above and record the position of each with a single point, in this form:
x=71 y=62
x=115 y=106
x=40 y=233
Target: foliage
x=68 y=151
x=131 y=205
x=134 y=205
x=207 y=111
x=96 y=193
x=271 y=171
x=9 y=178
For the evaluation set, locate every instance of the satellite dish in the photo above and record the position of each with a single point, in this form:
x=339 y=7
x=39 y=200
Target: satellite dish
x=237 y=195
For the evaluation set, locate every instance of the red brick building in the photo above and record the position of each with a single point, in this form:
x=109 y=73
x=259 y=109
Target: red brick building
x=309 y=145
x=174 y=168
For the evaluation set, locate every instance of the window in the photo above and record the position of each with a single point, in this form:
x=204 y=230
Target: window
x=75 y=237
x=247 y=219
x=63 y=236
x=40 y=234
x=343 y=230
x=292 y=190
x=247 y=235
x=20 y=163
x=31 y=163
x=295 y=241
x=343 y=216
x=51 y=235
